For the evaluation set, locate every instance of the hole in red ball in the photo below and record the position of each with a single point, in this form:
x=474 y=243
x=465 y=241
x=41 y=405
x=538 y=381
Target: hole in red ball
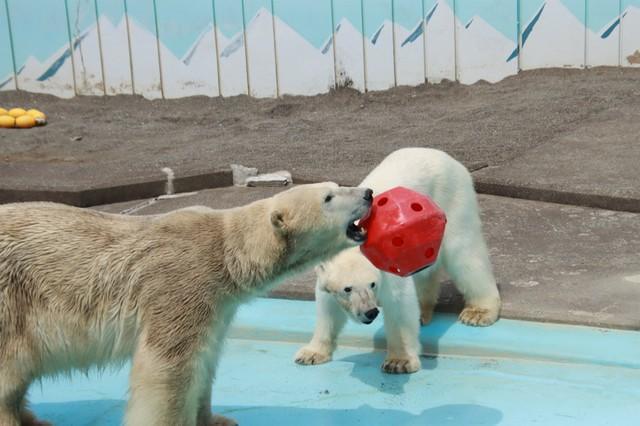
x=416 y=207
x=429 y=253
x=382 y=201
x=394 y=269
x=397 y=241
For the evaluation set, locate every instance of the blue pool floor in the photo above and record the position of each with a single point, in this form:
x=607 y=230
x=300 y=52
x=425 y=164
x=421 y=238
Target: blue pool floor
x=513 y=373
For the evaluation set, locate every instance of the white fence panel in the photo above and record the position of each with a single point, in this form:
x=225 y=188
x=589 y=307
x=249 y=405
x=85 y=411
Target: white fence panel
x=409 y=42
x=630 y=37
x=303 y=68
x=483 y=51
x=143 y=42
x=603 y=33
x=556 y=36
x=260 y=46
x=441 y=45
x=349 y=43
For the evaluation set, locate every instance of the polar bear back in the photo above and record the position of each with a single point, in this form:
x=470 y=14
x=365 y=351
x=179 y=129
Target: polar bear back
x=429 y=171
x=445 y=180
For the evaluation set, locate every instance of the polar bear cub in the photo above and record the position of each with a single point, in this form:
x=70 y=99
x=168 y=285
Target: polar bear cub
x=350 y=286
x=80 y=288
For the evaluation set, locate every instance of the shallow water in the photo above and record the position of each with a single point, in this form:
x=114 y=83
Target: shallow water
x=513 y=373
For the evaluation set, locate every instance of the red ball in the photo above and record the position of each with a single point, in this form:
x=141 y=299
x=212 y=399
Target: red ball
x=404 y=231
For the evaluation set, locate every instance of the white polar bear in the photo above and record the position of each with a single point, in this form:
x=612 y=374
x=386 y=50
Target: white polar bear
x=80 y=288
x=349 y=285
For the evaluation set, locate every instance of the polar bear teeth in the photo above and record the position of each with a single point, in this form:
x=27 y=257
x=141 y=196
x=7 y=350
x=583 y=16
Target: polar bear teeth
x=356 y=233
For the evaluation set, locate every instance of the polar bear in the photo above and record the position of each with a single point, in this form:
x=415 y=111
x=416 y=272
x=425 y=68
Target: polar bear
x=80 y=288
x=350 y=286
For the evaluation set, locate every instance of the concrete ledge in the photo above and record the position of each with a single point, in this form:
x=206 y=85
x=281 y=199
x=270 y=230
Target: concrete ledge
x=195 y=181
x=489 y=187
x=86 y=197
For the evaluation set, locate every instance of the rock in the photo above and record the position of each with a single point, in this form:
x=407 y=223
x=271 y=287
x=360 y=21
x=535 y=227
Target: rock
x=242 y=173
x=279 y=178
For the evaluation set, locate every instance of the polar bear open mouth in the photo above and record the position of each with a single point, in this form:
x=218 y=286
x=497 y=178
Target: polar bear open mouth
x=356 y=233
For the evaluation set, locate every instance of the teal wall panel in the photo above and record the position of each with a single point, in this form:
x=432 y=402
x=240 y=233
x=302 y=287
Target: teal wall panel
x=266 y=48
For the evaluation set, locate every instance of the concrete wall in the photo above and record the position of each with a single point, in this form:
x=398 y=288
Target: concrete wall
x=266 y=48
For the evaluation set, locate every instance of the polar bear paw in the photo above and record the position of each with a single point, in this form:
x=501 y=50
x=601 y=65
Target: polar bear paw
x=310 y=356
x=401 y=365
x=426 y=314
x=27 y=418
x=218 y=420
x=478 y=316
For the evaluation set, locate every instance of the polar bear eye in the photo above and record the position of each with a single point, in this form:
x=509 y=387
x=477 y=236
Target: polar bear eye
x=328 y=198
x=372 y=285
x=347 y=289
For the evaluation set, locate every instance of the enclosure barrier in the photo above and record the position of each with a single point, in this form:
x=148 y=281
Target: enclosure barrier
x=267 y=48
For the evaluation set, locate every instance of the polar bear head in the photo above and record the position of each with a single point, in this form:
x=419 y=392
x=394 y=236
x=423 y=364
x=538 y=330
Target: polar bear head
x=354 y=282
x=318 y=220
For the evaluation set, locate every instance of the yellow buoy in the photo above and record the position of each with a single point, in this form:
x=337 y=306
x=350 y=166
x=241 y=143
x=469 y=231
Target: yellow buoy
x=3 y=111
x=17 y=112
x=7 y=121
x=38 y=115
x=25 y=121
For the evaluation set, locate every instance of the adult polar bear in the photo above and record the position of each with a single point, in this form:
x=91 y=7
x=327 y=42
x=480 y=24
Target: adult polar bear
x=79 y=288
x=349 y=285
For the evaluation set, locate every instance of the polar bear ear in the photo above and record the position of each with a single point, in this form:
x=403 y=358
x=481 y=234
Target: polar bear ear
x=320 y=270
x=321 y=281
x=278 y=220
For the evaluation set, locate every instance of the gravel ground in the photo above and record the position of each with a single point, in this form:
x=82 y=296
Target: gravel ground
x=340 y=136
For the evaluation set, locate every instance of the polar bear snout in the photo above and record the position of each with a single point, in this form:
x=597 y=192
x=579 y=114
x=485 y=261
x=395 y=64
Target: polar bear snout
x=355 y=232
x=368 y=195
x=365 y=203
x=360 y=303
x=370 y=315
x=366 y=313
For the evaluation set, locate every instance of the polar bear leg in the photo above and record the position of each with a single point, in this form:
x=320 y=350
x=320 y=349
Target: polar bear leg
x=29 y=419
x=401 y=323
x=204 y=374
x=11 y=395
x=428 y=288
x=218 y=420
x=205 y=416
x=13 y=388
x=163 y=391
x=329 y=322
x=204 y=404
x=470 y=269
